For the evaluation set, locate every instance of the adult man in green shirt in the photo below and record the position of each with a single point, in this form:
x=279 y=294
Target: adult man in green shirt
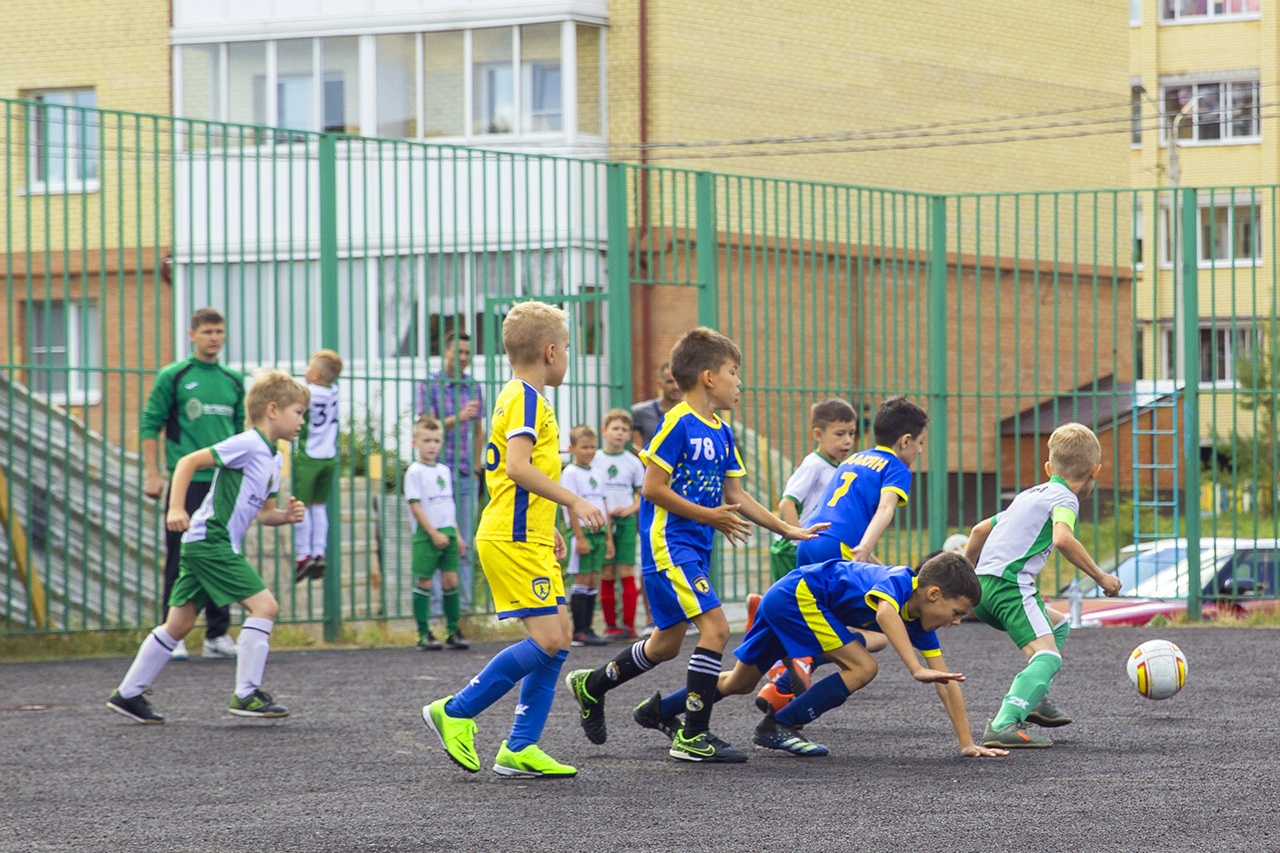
x=196 y=403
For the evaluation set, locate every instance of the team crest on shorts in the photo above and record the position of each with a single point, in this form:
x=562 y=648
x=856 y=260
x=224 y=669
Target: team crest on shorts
x=611 y=670
x=701 y=585
x=693 y=702
x=542 y=588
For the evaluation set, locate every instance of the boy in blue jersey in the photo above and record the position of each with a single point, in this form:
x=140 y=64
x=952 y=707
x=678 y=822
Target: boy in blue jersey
x=806 y=613
x=692 y=488
x=860 y=500
x=518 y=546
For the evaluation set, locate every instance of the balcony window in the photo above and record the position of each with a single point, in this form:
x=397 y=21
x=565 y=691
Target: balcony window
x=64 y=147
x=1220 y=112
x=1204 y=11
x=63 y=344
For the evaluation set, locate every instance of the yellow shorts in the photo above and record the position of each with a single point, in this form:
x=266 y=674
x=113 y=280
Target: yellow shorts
x=524 y=578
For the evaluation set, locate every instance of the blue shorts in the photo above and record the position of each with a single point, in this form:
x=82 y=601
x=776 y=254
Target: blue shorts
x=791 y=624
x=821 y=548
x=679 y=594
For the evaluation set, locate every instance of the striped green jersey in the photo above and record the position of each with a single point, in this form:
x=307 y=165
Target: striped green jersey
x=246 y=476
x=1022 y=538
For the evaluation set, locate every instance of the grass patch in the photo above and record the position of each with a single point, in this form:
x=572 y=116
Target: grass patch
x=1251 y=619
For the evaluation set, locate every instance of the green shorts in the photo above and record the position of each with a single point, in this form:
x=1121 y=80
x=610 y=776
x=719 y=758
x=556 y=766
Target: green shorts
x=592 y=562
x=626 y=536
x=213 y=574
x=1014 y=608
x=427 y=558
x=782 y=559
x=313 y=478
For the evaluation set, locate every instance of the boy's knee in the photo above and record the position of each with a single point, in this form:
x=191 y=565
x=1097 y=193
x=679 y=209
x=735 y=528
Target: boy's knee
x=714 y=636
x=423 y=583
x=661 y=649
x=860 y=674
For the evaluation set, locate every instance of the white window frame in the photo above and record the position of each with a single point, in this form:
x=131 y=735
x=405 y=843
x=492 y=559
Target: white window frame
x=1207 y=201
x=73 y=124
x=1230 y=331
x=82 y=389
x=1135 y=13
x=1224 y=82
x=1138 y=237
x=1169 y=15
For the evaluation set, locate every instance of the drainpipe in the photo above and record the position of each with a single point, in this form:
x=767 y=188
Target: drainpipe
x=646 y=349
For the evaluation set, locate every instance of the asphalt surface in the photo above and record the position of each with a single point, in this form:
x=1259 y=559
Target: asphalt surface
x=354 y=768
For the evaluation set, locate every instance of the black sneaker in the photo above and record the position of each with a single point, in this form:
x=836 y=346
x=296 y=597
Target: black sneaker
x=303 y=570
x=772 y=734
x=590 y=708
x=428 y=643
x=705 y=747
x=257 y=704
x=649 y=715
x=317 y=568
x=591 y=638
x=456 y=641
x=135 y=708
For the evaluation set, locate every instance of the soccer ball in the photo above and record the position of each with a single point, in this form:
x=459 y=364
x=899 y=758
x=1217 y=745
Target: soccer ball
x=1158 y=669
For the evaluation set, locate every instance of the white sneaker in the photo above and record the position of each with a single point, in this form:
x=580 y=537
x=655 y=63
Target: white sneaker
x=179 y=651
x=220 y=647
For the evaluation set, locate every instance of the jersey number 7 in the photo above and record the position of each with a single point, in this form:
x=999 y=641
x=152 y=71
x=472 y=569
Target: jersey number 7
x=846 y=480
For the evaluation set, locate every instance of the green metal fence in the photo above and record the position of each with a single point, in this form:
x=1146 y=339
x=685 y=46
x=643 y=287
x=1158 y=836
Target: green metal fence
x=1005 y=315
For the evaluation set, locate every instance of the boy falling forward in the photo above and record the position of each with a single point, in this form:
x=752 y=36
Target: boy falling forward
x=211 y=569
x=1009 y=551
x=437 y=545
x=692 y=488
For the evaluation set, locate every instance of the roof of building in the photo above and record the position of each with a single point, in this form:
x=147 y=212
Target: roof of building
x=1100 y=406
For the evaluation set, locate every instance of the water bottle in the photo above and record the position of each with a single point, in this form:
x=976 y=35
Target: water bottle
x=1075 y=596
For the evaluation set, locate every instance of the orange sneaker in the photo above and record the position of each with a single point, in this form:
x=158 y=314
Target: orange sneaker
x=769 y=699
x=776 y=670
x=802 y=667
x=753 y=604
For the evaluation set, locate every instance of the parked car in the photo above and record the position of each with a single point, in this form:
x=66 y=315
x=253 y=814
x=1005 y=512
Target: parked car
x=1237 y=576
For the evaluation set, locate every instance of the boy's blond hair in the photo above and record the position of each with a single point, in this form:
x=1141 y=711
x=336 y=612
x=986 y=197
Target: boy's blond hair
x=329 y=363
x=1074 y=451
x=580 y=432
x=617 y=415
x=272 y=386
x=528 y=328
x=427 y=423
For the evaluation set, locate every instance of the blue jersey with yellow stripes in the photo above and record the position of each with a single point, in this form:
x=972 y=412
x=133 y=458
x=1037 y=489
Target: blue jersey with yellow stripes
x=698 y=454
x=852 y=497
x=851 y=592
x=514 y=514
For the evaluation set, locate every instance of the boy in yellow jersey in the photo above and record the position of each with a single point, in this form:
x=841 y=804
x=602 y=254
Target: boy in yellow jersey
x=518 y=546
x=692 y=488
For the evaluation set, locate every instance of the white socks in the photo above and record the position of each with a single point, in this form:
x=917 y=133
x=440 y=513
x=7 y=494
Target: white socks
x=152 y=655
x=251 y=659
x=302 y=537
x=318 y=521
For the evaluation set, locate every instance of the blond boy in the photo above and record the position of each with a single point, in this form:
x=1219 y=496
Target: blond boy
x=437 y=544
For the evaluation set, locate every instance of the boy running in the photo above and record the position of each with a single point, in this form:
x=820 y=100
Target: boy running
x=315 y=467
x=623 y=474
x=437 y=546
x=1010 y=550
x=518 y=545
x=211 y=570
x=692 y=488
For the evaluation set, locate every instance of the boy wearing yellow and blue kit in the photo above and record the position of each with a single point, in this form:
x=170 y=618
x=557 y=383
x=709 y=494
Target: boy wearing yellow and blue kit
x=692 y=488
x=518 y=546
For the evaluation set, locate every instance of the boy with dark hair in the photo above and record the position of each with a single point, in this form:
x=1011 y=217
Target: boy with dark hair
x=860 y=500
x=806 y=613
x=692 y=488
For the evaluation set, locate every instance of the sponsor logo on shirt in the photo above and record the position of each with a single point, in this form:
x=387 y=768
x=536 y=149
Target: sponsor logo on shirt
x=191 y=385
x=194 y=409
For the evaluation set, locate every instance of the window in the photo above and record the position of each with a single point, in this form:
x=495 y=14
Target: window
x=1135 y=13
x=1219 y=112
x=1221 y=348
x=444 y=84
x=63 y=343
x=340 y=73
x=1135 y=115
x=396 y=90
x=64 y=147
x=1228 y=231
x=540 y=78
x=201 y=93
x=1200 y=11
x=295 y=76
x=492 y=83
x=1138 y=231
x=246 y=82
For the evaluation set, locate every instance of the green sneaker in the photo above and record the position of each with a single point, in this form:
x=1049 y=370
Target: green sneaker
x=457 y=735
x=1047 y=714
x=1014 y=736
x=590 y=709
x=705 y=747
x=530 y=761
x=257 y=704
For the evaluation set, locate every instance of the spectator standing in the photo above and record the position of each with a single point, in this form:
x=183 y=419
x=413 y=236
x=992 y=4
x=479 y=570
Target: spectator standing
x=647 y=417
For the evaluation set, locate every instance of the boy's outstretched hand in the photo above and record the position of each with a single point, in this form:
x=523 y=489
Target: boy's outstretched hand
x=805 y=532
x=975 y=751
x=735 y=528
x=935 y=676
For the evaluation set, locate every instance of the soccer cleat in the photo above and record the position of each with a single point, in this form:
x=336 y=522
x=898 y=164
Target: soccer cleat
x=1014 y=736
x=1047 y=714
x=428 y=643
x=303 y=570
x=753 y=604
x=591 y=709
x=801 y=668
x=772 y=734
x=221 y=647
x=628 y=634
x=257 y=704
x=179 y=651
x=705 y=747
x=613 y=633
x=769 y=700
x=318 y=565
x=135 y=708
x=457 y=734
x=649 y=715
x=456 y=641
x=530 y=761
x=587 y=638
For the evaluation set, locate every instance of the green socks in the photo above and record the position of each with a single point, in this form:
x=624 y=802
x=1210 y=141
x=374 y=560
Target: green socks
x=422 y=609
x=1028 y=688
x=450 y=601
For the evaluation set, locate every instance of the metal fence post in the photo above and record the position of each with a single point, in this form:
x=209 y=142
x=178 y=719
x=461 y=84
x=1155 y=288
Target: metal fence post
x=329 y=316
x=707 y=247
x=1191 y=396
x=619 y=271
x=937 y=448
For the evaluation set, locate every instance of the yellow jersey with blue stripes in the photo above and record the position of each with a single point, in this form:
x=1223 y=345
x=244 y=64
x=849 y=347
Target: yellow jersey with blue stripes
x=698 y=454
x=514 y=514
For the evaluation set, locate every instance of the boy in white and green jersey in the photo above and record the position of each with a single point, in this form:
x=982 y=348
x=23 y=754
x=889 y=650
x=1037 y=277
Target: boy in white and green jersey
x=211 y=569
x=1009 y=550
x=433 y=516
x=315 y=465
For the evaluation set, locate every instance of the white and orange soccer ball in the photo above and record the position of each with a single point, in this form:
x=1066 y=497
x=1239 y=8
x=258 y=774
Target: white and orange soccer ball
x=1158 y=668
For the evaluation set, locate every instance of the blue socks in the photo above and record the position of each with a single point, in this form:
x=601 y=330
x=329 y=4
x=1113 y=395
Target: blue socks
x=536 y=692
x=672 y=704
x=824 y=695
x=498 y=676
